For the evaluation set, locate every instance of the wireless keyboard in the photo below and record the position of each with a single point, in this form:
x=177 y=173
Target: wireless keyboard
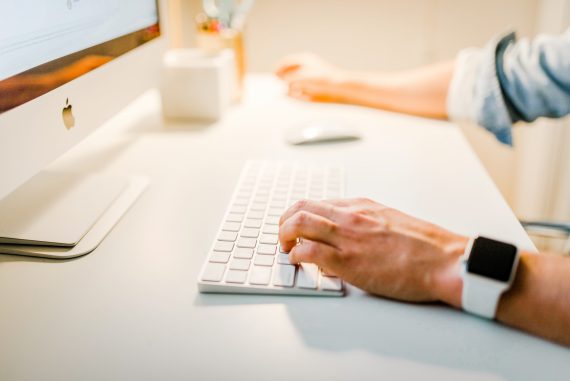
x=246 y=256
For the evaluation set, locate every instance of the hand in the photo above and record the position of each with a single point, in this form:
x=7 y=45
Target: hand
x=376 y=248
x=311 y=78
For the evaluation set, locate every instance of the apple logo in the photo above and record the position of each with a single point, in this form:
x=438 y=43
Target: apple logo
x=67 y=114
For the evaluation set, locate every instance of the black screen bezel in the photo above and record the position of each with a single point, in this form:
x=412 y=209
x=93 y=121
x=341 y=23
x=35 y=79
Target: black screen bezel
x=492 y=259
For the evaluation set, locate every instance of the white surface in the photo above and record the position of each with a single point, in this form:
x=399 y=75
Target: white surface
x=33 y=135
x=131 y=309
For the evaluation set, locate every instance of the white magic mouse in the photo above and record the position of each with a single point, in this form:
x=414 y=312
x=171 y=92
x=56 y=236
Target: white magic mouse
x=321 y=131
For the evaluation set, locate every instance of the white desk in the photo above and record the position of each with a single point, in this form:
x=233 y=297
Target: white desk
x=131 y=310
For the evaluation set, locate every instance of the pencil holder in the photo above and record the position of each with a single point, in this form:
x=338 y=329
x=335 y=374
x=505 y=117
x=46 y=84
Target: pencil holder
x=216 y=41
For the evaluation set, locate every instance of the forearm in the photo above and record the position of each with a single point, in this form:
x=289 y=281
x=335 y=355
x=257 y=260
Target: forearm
x=421 y=91
x=538 y=302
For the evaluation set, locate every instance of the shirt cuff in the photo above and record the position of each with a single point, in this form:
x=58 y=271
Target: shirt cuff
x=475 y=92
x=461 y=93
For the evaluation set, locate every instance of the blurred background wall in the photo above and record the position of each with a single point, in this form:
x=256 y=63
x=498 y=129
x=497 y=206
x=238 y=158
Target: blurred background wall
x=534 y=176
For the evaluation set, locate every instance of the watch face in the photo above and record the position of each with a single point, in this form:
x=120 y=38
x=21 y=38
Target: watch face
x=492 y=259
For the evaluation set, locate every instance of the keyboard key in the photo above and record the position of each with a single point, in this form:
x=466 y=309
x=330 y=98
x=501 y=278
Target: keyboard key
x=238 y=209
x=283 y=259
x=241 y=201
x=277 y=204
x=231 y=226
x=252 y=223
x=249 y=233
x=258 y=206
x=246 y=190
x=260 y=200
x=213 y=272
x=263 y=260
x=331 y=283
x=282 y=251
x=272 y=220
x=307 y=276
x=219 y=257
x=284 y=275
x=275 y=212
x=235 y=276
x=260 y=275
x=246 y=242
x=233 y=217
x=255 y=215
x=223 y=246
x=280 y=196
x=270 y=239
x=270 y=229
x=243 y=253
x=227 y=236
x=240 y=264
x=266 y=249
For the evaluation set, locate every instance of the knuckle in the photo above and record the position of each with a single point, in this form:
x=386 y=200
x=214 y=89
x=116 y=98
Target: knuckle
x=301 y=204
x=354 y=218
x=300 y=219
x=332 y=228
x=312 y=251
x=363 y=200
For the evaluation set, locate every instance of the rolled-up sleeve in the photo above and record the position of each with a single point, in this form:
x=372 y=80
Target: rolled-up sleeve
x=509 y=81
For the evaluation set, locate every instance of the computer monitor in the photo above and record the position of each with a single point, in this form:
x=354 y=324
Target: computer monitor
x=66 y=66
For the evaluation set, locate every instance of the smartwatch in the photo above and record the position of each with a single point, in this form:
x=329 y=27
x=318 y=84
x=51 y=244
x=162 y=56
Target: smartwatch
x=488 y=270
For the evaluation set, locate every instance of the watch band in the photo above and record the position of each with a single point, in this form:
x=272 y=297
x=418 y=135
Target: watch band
x=482 y=287
x=480 y=296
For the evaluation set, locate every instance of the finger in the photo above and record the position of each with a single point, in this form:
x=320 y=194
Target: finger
x=340 y=202
x=314 y=89
x=349 y=202
x=289 y=64
x=316 y=207
x=292 y=62
x=313 y=252
x=307 y=225
x=298 y=93
x=284 y=69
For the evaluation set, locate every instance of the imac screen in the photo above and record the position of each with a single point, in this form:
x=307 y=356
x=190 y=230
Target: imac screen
x=47 y=43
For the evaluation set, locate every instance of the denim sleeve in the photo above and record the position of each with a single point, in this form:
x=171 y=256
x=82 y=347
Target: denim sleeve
x=518 y=81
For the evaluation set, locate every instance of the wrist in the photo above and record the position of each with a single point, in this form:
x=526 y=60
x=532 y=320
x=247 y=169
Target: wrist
x=448 y=282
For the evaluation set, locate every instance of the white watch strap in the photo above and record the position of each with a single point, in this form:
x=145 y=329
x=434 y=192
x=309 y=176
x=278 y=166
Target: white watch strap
x=480 y=296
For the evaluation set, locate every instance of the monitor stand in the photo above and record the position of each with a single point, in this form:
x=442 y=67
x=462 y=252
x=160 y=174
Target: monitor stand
x=64 y=215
